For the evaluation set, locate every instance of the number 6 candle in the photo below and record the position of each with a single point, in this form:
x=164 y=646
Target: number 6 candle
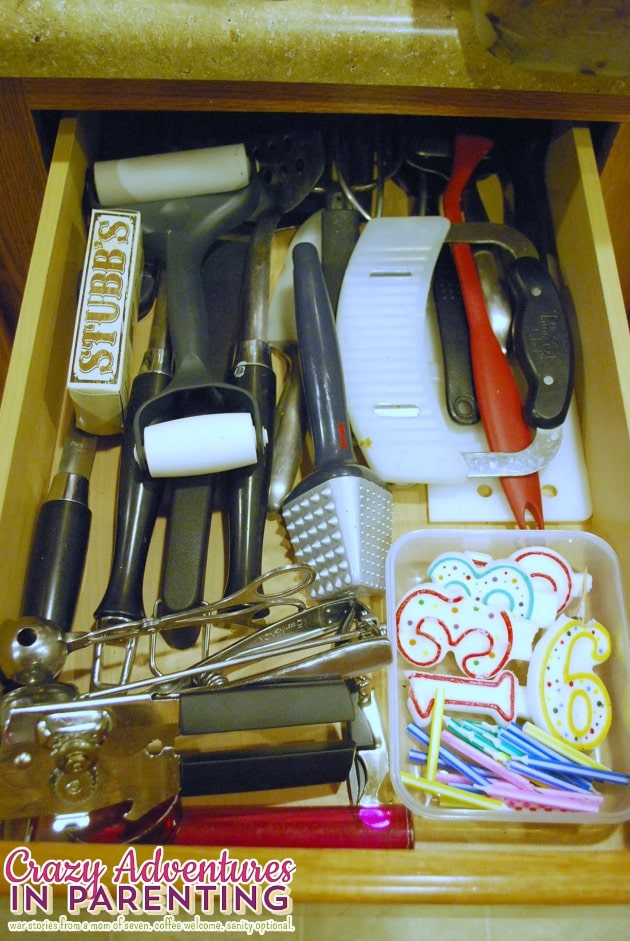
x=564 y=695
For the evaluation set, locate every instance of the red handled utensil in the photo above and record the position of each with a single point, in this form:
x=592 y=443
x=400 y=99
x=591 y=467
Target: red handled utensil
x=337 y=826
x=497 y=393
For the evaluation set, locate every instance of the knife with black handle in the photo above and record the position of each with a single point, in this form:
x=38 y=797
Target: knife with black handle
x=542 y=343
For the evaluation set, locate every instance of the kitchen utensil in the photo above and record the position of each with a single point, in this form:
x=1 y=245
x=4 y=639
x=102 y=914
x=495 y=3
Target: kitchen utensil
x=338 y=638
x=488 y=257
x=394 y=380
x=495 y=386
x=139 y=495
x=450 y=310
x=423 y=183
x=179 y=233
x=328 y=826
x=290 y=421
x=298 y=163
x=37 y=655
x=60 y=538
x=122 y=748
x=491 y=278
x=334 y=231
x=339 y=519
x=564 y=484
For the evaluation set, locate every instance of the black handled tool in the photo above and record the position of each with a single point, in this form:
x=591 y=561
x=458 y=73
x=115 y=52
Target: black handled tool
x=139 y=494
x=542 y=343
x=61 y=536
x=291 y=172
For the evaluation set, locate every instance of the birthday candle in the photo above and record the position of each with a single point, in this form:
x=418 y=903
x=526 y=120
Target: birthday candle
x=448 y=757
x=496 y=696
x=420 y=758
x=501 y=584
x=548 y=568
x=435 y=734
x=565 y=767
x=513 y=734
x=564 y=696
x=457 y=780
x=474 y=754
x=532 y=770
x=466 y=798
x=546 y=797
x=481 y=638
x=476 y=738
x=559 y=747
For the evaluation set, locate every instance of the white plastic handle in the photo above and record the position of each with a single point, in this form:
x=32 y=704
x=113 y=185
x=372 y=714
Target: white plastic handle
x=172 y=175
x=200 y=444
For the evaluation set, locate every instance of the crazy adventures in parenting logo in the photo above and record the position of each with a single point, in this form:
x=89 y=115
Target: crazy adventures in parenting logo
x=156 y=886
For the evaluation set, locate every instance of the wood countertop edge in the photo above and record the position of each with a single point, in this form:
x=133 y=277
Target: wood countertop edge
x=156 y=94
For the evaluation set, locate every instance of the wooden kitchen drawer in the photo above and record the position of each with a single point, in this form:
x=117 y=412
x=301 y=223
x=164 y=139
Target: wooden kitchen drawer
x=463 y=863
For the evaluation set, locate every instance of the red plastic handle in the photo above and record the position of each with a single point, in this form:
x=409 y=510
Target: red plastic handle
x=383 y=826
x=495 y=387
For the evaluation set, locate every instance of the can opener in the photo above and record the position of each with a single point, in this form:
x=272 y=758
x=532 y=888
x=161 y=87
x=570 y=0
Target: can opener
x=63 y=753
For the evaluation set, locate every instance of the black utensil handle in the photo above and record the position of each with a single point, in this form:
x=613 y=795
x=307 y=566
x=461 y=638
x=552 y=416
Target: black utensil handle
x=57 y=561
x=543 y=344
x=461 y=401
x=248 y=489
x=138 y=503
x=340 y=231
x=296 y=765
x=320 y=362
x=286 y=703
x=186 y=553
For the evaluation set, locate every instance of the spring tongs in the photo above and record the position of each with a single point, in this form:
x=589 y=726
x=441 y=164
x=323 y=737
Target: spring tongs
x=273 y=590
x=340 y=637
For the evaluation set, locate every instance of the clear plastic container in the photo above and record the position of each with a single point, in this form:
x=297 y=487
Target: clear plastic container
x=590 y=37
x=407 y=564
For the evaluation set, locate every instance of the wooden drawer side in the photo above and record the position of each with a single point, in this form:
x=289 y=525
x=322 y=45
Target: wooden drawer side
x=603 y=362
x=34 y=395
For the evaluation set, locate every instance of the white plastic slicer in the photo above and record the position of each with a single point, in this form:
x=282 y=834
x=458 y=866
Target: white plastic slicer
x=392 y=363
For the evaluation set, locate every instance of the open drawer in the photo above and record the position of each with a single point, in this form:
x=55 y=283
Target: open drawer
x=468 y=862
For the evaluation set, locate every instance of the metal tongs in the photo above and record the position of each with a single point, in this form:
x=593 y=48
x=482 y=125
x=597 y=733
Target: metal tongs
x=341 y=636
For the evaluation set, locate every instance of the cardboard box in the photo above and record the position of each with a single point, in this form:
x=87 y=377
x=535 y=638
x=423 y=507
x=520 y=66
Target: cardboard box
x=99 y=377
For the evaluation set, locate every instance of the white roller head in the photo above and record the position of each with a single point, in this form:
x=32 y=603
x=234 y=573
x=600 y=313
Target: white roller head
x=200 y=444
x=172 y=175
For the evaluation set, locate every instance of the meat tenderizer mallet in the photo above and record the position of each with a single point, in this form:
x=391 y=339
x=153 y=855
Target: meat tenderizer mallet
x=340 y=518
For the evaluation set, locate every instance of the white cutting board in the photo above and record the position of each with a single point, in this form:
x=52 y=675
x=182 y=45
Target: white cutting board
x=566 y=496
x=392 y=361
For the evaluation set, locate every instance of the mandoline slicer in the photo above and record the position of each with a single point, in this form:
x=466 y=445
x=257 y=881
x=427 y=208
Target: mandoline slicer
x=340 y=518
x=393 y=379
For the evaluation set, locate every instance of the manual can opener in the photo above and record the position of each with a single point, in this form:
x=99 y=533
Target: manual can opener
x=61 y=753
x=393 y=375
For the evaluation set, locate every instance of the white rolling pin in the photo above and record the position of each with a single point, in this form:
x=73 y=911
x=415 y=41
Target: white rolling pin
x=172 y=175
x=200 y=444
